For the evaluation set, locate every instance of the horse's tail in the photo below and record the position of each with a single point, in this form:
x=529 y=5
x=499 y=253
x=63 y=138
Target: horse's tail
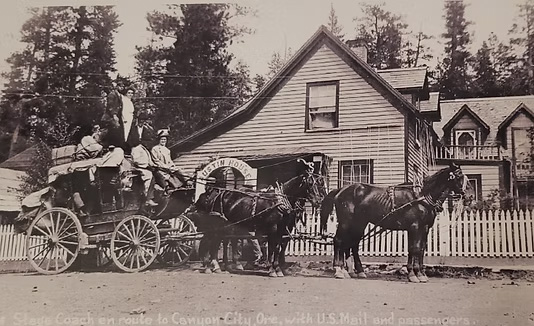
x=326 y=208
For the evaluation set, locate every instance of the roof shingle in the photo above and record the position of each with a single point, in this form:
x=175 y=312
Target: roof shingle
x=492 y=110
x=405 y=78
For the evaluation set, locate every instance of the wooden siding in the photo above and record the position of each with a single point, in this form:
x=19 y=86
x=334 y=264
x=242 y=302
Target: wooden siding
x=417 y=153
x=521 y=121
x=369 y=126
x=466 y=122
x=489 y=175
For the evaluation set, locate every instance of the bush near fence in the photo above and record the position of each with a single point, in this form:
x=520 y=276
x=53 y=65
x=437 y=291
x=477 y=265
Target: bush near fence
x=494 y=233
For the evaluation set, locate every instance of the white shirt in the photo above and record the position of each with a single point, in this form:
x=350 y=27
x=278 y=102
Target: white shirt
x=127 y=115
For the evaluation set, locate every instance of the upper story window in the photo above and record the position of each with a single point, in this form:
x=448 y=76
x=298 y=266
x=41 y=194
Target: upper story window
x=322 y=105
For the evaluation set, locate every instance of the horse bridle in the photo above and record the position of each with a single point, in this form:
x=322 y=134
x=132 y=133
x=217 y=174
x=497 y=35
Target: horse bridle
x=311 y=181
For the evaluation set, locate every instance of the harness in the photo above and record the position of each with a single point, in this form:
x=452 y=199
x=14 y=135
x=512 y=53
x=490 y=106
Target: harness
x=426 y=200
x=217 y=207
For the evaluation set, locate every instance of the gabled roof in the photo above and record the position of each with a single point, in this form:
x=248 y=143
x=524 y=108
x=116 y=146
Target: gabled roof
x=22 y=161
x=251 y=108
x=492 y=110
x=10 y=185
x=431 y=108
x=465 y=110
x=520 y=108
x=406 y=78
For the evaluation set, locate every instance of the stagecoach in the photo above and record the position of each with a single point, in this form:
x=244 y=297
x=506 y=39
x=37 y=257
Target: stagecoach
x=113 y=225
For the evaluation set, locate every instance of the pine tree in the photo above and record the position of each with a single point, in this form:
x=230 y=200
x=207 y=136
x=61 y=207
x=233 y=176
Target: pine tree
x=278 y=61
x=55 y=83
x=333 y=25
x=454 y=76
x=415 y=51
x=486 y=78
x=523 y=40
x=191 y=80
x=382 y=32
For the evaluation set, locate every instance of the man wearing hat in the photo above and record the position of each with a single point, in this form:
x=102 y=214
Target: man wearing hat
x=118 y=117
x=89 y=146
x=168 y=173
x=141 y=140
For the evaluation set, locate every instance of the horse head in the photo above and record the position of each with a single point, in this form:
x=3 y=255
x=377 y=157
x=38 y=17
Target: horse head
x=457 y=180
x=450 y=180
x=312 y=186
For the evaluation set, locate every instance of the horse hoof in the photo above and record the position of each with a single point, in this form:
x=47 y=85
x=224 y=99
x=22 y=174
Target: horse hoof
x=353 y=275
x=362 y=275
x=217 y=271
x=346 y=274
x=207 y=270
x=279 y=274
x=413 y=279
x=239 y=267
x=422 y=278
x=273 y=274
x=339 y=273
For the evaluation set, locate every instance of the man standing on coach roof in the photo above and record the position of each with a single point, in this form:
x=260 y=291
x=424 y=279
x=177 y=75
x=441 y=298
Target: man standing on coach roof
x=118 y=117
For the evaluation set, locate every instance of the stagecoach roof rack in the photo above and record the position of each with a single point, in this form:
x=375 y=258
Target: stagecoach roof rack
x=84 y=165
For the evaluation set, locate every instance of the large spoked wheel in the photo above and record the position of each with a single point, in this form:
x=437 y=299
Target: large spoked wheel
x=176 y=248
x=135 y=243
x=53 y=240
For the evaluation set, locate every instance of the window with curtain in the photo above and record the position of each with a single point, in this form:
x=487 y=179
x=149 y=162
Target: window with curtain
x=356 y=171
x=322 y=107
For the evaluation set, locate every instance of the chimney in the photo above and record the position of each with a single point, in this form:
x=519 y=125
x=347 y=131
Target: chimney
x=359 y=47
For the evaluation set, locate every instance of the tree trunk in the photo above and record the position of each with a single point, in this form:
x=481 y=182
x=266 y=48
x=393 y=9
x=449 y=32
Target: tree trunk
x=78 y=39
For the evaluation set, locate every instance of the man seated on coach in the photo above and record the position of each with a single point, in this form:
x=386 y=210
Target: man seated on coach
x=141 y=138
x=167 y=173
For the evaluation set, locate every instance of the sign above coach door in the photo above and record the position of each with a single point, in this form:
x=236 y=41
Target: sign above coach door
x=248 y=173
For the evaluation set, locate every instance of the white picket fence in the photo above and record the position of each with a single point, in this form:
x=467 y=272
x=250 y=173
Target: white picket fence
x=471 y=234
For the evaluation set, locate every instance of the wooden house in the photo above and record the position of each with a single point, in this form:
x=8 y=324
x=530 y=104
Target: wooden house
x=10 y=193
x=326 y=105
x=489 y=137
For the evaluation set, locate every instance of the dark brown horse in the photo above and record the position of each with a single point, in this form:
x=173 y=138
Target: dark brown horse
x=394 y=208
x=219 y=212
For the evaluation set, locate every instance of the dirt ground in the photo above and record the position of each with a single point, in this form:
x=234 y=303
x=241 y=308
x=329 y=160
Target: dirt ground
x=309 y=296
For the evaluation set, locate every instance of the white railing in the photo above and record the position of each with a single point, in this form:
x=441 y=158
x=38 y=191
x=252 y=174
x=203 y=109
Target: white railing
x=471 y=234
x=491 y=153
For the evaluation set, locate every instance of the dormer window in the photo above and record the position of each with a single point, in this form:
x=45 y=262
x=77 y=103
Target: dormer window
x=322 y=105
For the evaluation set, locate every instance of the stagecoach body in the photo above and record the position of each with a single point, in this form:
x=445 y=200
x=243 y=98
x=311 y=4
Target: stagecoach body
x=115 y=226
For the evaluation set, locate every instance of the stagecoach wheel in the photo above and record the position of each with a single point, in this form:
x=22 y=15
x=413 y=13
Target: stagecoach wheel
x=135 y=243
x=53 y=240
x=175 y=249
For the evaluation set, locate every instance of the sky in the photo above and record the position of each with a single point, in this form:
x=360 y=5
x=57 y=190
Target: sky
x=277 y=24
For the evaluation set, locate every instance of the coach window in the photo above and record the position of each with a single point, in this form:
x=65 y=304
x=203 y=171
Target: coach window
x=322 y=105
x=355 y=171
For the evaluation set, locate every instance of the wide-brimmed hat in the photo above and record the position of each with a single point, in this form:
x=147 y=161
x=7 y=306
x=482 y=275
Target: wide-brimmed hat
x=163 y=133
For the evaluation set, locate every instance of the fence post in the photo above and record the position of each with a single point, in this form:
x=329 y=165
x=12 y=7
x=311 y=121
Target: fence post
x=444 y=225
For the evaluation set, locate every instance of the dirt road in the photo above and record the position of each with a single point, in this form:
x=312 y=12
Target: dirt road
x=187 y=297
